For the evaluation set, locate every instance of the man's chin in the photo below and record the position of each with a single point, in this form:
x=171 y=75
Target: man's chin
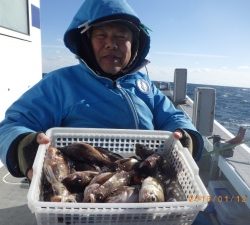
x=112 y=71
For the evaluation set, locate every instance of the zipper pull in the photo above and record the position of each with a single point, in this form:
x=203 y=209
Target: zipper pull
x=117 y=84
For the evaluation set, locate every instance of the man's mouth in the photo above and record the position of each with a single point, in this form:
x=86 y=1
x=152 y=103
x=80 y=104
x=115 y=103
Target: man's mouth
x=111 y=58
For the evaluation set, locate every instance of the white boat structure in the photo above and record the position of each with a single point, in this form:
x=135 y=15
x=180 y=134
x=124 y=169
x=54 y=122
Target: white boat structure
x=20 y=47
x=225 y=164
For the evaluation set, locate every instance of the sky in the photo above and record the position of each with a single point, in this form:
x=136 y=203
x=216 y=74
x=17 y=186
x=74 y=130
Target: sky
x=210 y=38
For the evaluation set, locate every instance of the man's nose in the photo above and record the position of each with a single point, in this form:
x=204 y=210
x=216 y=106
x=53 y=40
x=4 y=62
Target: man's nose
x=111 y=43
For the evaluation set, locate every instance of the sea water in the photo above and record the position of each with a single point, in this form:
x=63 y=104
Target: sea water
x=232 y=108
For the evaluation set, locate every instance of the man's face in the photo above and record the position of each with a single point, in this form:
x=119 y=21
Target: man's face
x=111 y=44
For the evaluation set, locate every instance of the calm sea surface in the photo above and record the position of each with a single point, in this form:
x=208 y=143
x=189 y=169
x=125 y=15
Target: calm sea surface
x=232 y=106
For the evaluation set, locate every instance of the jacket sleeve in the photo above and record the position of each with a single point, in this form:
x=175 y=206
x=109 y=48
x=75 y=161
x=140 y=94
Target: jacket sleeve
x=167 y=117
x=32 y=112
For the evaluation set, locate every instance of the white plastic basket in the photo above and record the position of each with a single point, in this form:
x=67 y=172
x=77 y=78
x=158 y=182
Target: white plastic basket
x=122 y=142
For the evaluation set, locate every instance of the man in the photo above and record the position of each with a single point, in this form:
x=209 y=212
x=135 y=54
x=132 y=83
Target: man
x=106 y=89
x=111 y=43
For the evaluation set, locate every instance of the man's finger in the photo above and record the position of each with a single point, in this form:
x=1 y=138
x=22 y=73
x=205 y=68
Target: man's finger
x=30 y=174
x=177 y=134
x=42 y=138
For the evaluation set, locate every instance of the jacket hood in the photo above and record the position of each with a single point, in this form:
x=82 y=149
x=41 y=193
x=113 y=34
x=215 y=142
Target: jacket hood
x=93 y=12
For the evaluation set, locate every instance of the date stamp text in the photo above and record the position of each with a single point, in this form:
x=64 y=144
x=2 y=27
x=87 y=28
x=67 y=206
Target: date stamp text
x=218 y=198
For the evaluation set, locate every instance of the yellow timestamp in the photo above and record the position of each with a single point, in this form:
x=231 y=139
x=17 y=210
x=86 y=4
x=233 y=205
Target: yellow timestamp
x=218 y=198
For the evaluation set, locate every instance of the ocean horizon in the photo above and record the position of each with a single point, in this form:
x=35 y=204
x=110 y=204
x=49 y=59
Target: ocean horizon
x=232 y=109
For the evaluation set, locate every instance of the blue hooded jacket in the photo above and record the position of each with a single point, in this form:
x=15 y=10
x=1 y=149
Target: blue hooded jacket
x=77 y=96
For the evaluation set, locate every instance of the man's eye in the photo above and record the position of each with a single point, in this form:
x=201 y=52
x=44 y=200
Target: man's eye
x=100 y=35
x=121 y=37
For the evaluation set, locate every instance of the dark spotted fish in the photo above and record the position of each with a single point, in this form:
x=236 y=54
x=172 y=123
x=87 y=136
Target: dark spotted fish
x=167 y=169
x=88 y=195
x=112 y=156
x=102 y=177
x=151 y=191
x=83 y=166
x=119 y=179
x=89 y=192
x=150 y=165
x=77 y=181
x=143 y=151
x=174 y=192
x=81 y=172
x=124 y=194
x=84 y=152
x=127 y=164
x=56 y=168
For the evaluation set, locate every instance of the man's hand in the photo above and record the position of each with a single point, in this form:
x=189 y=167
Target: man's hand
x=27 y=149
x=185 y=139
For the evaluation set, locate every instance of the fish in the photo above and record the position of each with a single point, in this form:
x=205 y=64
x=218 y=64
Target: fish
x=90 y=189
x=80 y=172
x=112 y=156
x=168 y=169
x=124 y=194
x=101 y=178
x=88 y=195
x=143 y=151
x=59 y=165
x=127 y=164
x=119 y=179
x=77 y=181
x=56 y=168
x=174 y=192
x=81 y=151
x=151 y=191
x=149 y=166
x=83 y=166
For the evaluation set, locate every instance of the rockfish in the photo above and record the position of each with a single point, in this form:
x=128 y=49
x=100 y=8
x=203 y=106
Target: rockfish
x=81 y=151
x=124 y=194
x=119 y=179
x=151 y=191
x=77 y=181
x=56 y=168
x=89 y=192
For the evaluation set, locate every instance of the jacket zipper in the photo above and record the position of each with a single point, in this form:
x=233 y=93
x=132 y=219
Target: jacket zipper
x=130 y=103
x=124 y=93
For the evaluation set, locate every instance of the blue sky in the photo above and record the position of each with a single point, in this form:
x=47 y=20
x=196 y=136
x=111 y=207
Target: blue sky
x=211 y=38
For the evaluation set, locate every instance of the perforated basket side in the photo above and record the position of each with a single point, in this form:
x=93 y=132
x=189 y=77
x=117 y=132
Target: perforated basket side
x=122 y=142
x=117 y=140
x=34 y=191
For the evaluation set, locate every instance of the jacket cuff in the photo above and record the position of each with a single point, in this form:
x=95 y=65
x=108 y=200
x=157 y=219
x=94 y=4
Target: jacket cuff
x=27 y=149
x=198 y=143
x=12 y=156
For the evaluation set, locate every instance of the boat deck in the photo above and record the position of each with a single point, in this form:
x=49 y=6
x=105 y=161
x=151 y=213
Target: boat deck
x=13 y=195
